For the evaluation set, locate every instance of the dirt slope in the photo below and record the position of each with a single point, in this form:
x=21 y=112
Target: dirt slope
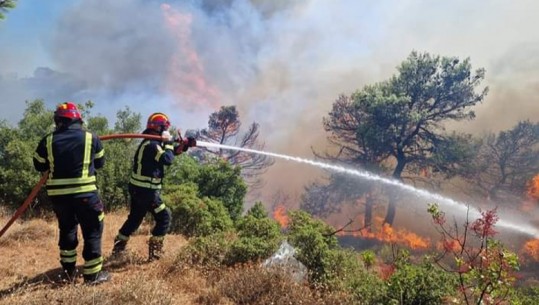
x=29 y=269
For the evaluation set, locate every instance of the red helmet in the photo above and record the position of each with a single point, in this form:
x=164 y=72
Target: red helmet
x=158 y=121
x=67 y=110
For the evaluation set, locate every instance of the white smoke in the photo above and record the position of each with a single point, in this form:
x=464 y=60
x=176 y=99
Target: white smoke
x=283 y=63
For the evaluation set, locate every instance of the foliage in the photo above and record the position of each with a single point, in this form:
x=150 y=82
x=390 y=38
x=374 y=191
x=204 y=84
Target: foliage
x=216 y=179
x=505 y=162
x=206 y=252
x=258 y=237
x=419 y=284
x=224 y=128
x=258 y=211
x=398 y=122
x=113 y=178
x=17 y=145
x=485 y=268
x=194 y=216
x=254 y=239
x=313 y=240
x=524 y=296
x=345 y=272
x=5 y=5
x=368 y=257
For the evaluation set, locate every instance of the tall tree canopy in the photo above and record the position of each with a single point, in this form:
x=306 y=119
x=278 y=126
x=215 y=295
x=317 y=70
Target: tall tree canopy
x=505 y=162
x=398 y=124
x=224 y=128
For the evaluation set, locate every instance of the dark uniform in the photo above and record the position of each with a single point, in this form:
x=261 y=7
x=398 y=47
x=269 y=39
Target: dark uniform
x=71 y=155
x=144 y=189
x=145 y=184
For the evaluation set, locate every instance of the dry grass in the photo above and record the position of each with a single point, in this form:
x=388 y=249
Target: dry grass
x=30 y=274
x=30 y=268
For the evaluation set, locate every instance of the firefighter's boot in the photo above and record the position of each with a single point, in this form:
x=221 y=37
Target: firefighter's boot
x=69 y=273
x=96 y=278
x=155 y=248
x=119 y=247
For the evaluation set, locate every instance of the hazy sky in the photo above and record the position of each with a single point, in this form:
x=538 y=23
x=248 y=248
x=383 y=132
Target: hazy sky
x=283 y=63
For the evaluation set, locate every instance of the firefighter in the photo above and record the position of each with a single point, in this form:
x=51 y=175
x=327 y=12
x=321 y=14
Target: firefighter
x=71 y=155
x=145 y=184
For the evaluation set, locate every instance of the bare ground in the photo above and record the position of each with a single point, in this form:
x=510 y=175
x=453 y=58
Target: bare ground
x=30 y=269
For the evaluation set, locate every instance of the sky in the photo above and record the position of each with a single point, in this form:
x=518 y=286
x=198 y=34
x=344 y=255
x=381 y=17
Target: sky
x=282 y=63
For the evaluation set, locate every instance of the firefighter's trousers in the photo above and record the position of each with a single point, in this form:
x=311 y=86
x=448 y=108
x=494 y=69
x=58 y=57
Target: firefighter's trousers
x=144 y=200
x=72 y=210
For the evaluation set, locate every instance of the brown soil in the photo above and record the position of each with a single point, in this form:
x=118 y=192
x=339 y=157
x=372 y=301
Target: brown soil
x=30 y=269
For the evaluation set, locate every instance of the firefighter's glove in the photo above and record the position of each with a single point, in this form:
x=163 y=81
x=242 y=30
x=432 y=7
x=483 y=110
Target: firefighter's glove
x=167 y=137
x=191 y=142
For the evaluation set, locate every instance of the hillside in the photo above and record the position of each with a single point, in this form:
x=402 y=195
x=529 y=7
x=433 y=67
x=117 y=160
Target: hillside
x=29 y=267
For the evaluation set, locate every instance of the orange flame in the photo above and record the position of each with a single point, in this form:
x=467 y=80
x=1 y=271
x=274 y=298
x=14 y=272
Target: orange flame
x=400 y=236
x=281 y=216
x=449 y=245
x=388 y=234
x=533 y=188
x=187 y=80
x=531 y=248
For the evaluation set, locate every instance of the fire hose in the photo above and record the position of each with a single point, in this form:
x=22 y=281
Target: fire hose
x=45 y=175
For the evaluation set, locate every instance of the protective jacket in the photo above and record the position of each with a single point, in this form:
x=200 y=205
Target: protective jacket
x=71 y=155
x=148 y=165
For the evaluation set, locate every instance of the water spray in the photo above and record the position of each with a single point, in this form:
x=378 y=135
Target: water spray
x=526 y=229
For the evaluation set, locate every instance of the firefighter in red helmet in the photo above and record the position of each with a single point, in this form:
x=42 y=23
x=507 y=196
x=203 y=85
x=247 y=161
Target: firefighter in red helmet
x=145 y=183
x=72 y=155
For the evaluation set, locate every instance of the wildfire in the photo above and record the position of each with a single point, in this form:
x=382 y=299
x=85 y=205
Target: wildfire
x=389 y=234
x=280 y=215
x=533 y=188
x=450 y=245
x=531 y=248
x=187 y=80
x=400 y=236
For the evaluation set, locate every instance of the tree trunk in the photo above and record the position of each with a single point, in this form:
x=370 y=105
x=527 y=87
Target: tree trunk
x=392 y=193
x=391 y=209
x=369 y=204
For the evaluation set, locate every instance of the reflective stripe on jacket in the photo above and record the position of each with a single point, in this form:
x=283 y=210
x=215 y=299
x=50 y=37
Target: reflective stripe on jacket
x=149 y=162
x=71 y=155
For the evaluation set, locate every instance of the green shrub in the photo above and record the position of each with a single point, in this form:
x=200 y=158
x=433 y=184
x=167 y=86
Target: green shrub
x=525 y=296
x=249 y=249
x=208 y=252
x=113 y=178
x=313 y=240
x=193 y=216
x=216 y=180
x=259 y=237
x=368 y=257
x=344 y=271
x=258 y=210
x=419 y=284
x=223 y=181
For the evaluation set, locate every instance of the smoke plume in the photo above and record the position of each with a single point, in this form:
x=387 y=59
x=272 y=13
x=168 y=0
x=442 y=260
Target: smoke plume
x=283 y=63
